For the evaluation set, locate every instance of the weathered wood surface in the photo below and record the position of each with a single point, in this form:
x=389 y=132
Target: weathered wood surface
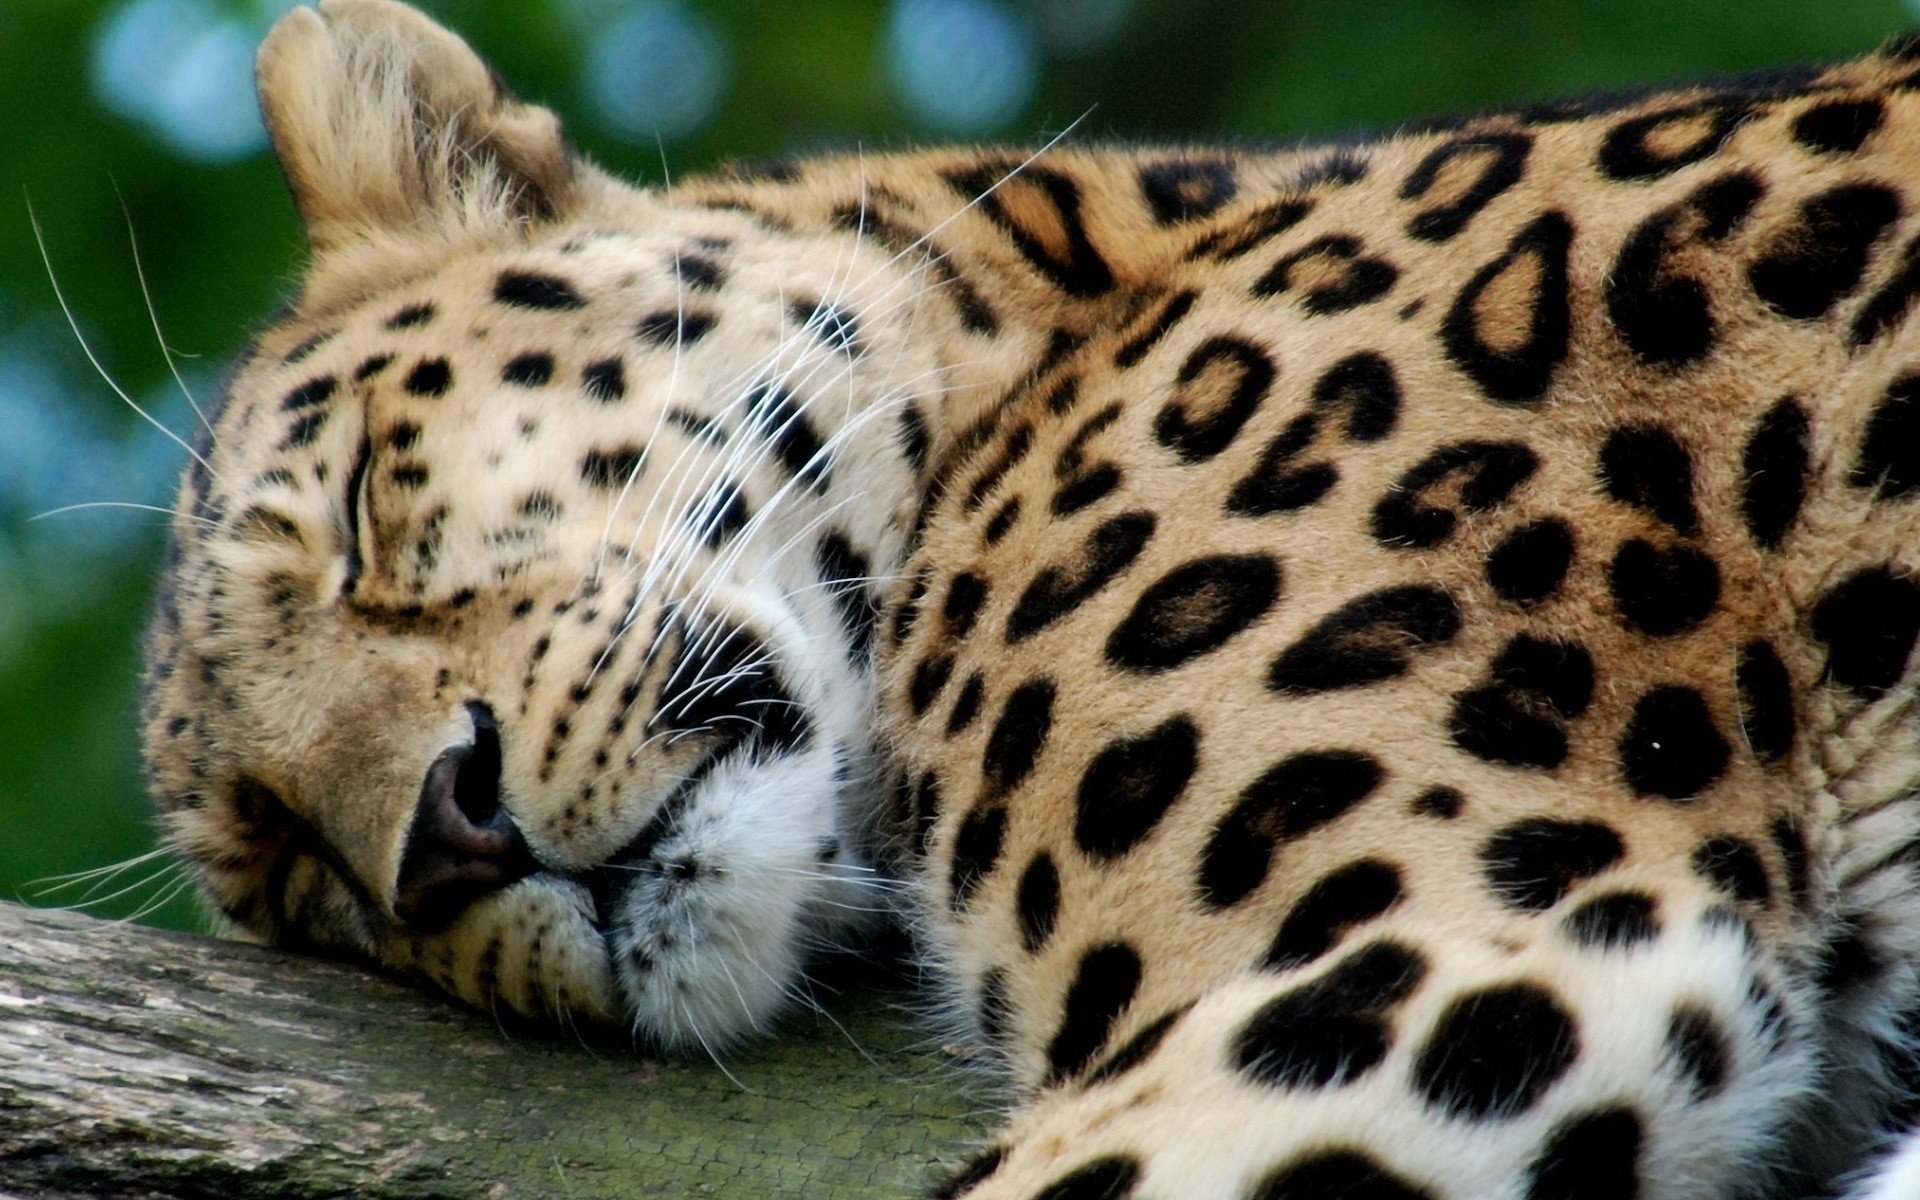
x=140 y=1063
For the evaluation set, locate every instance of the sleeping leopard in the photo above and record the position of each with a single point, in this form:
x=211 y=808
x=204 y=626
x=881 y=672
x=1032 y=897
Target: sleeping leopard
x=1382 y=670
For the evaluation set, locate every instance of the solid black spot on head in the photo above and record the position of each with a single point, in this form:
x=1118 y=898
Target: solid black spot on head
x=1838 y=126
x=674 y=327
x=304 y=348
x=531 y=289
x=1367 y=640
x=1531 y=864
x=611 y=467
x=1036 y=903
x=1869 y=623
x=1493 y=160
x=410 y=316
x=914 y=439
x=1889 y=459
x=1613 y=920
x=1414 y=514
x=1102 y=988
x=965 y=594
x=1494 y=1052
x=1700 y=1051
x=975 y=1170
x=1645 y=466
x=1171 y=313
x=1766 y=700
x=1663 y=592
x=1135 y=1050
x=305 y=430
x=1508 y=327
x=976 y=851
x=1531 y=562
x=1218 y=387
x=1290 y=799
x=1109 y=1178
x=528 y=370
x=1364 y=385
x=930 y=677
x=310 y=394
x=429 y=377
x=831 y=324
x=1335 y=1175
x=1186 y=189
x=1344 y=898
x=796 y=441
x=1059 y=589
x=1442 y=803
x=605 y=380
x=1193 y=610
x=966 y=706
x=1824 y=254
x=698 y=271
x=408 y=476
x=1331 y=1030
x=1330 y=275
x=1018 y=737
x=1276 y=483
x=1774 y=472
x=1656 y=144
x=370 y=367
x=696 y=425
x=1130 y=785
x=1590 y=1156
x=1734 y=866
x=719 y=514
x=845 y=572
x=1671 y=746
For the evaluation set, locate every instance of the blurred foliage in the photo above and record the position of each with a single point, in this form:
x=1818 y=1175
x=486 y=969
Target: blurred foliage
x=218 y=243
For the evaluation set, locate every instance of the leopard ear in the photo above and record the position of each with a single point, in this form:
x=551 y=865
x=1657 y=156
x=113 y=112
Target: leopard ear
x=384 y=121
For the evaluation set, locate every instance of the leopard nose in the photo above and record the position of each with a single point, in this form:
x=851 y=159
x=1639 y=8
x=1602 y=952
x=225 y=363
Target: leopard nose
x=462 y=845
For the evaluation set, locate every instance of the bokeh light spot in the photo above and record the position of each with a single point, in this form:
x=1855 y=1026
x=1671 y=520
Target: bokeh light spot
x=961 y=67
x=659 y=70
x=186 y=73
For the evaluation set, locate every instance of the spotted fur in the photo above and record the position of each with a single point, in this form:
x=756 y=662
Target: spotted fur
x=1384 y=671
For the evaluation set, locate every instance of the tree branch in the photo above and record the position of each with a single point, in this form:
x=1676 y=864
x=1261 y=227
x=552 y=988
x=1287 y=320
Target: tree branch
x=140 y=1063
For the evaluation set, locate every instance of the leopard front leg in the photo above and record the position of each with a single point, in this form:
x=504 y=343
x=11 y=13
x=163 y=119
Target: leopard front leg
x=1628 y=1050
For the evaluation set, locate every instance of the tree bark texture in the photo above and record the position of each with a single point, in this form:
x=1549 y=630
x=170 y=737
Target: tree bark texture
x=136 y=1062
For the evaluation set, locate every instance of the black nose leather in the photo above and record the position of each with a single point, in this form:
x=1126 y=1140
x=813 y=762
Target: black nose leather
x=463 y=845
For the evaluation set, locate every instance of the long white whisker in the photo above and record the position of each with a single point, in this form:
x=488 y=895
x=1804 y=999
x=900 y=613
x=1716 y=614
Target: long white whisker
x=153 y=314
x=66 y=310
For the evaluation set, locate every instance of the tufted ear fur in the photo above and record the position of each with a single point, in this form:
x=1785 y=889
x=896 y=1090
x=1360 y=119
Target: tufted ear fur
x=385 y=122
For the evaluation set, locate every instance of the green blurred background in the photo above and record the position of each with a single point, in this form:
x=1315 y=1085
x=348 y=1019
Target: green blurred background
x=135 y=119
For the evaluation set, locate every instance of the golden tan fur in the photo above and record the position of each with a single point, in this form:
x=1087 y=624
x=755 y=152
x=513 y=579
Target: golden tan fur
x=1393 y=671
